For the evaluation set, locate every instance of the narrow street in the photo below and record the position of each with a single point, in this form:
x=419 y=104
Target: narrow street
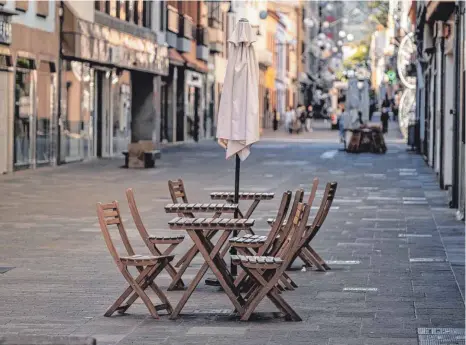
x=395 y=248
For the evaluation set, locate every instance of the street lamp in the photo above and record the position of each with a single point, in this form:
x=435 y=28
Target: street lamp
x=340 y=43
x=342 y=34
x=350 y=37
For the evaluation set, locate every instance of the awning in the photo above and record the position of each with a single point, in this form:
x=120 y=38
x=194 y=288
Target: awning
x=109 y=47
x=175 y=58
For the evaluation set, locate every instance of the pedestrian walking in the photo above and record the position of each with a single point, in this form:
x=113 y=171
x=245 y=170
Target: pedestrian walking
x=341 y=124
x=309 y=116
x=276 y=119
x=290 y=117
x=385 y=114
x=302 y=117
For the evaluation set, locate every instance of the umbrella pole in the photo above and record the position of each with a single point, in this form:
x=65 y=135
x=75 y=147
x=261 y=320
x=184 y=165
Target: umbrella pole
x=234 y=268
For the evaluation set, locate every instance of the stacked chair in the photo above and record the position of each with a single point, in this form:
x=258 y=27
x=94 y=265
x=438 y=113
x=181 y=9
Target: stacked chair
x=264 y=259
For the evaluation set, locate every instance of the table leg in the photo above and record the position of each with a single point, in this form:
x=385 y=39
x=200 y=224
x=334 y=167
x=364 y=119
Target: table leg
x=218 y=267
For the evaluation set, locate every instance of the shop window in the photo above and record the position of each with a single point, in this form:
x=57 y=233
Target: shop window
x=118 y=9
x=42 y=9
x=128 y=9
x=97 y=5
x=5 y=62
x=26 y=63
x=107 y=7
x=22 y=5
x=147 y=13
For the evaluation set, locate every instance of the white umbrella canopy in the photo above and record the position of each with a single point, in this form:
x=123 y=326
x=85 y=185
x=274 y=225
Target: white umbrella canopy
x=238 y=114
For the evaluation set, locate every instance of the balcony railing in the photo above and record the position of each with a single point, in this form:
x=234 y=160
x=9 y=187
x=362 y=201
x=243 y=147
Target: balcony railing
x=173 y=19
x=202 y=36
x=186 y=26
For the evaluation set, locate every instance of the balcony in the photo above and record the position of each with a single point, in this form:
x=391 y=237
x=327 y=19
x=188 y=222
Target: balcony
x=264 y=57
x=185 y=33
x=216 y=40
x=202 y=38
x=172 y=26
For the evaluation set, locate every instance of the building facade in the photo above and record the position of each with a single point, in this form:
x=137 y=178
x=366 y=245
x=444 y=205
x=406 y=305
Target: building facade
x=187 y=117
x=28 y=84
x=114 y=58
x=440 y=96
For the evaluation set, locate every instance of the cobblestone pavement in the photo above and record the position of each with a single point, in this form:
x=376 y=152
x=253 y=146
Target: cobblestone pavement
x=389 y=222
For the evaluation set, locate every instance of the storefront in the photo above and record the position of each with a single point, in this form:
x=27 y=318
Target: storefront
x=110 y=94
x=27 y=92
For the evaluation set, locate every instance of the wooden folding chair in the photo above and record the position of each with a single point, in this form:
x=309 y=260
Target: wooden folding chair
x=266 y=271
x=148 y=266
x=179 y=195
x=152 y=241
x=306 y=252
x=271 y=244
x=258 y=245
x=306 y=258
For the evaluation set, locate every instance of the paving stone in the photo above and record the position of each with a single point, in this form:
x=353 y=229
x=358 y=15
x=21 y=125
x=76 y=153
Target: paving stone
x=65 y=279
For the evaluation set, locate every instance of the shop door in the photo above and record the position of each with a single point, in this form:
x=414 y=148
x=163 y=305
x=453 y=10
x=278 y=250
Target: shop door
x=4 y=111
x=103 y=133
x=23 y=114
x=45 y=106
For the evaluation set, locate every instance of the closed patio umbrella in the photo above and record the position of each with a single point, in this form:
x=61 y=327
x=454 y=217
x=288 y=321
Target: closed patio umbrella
x=238 y=114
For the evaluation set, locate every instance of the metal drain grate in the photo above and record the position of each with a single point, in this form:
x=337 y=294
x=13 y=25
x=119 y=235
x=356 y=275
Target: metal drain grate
x=441 y=336
x=5 y=269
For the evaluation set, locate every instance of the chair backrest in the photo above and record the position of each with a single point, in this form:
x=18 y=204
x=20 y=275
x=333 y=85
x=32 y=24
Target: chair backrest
x=324 y=208
x=285 y=229
x=177 y=191
x=178 y=194
x=109 y=215
x=277 y=225
x=298 y=226
x=315 y=184
x=137 y=217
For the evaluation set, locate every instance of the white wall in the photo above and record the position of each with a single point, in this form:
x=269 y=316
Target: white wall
x=30 y=19
x=447 y=154
x=82 y=9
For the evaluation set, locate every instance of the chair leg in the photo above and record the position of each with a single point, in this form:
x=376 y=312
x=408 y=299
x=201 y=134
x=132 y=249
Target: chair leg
x=117 y=304
x=260 y=293
x=140 y=292
x=191 y=253
x=149 y=281
x=304 y=253
x=317 y=257
x=169 y=267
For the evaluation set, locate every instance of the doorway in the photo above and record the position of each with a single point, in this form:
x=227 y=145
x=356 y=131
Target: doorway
x=103 y=117
x=23 y=114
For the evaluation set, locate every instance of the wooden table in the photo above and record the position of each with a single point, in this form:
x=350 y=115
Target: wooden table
x=213 y=254
x=186 y=211
x=367 y=139
x=256 y=198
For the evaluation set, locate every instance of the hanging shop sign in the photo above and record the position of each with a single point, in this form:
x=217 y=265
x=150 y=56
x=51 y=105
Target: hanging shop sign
x=5 y=28
x=95 y=42
x=406 y=51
